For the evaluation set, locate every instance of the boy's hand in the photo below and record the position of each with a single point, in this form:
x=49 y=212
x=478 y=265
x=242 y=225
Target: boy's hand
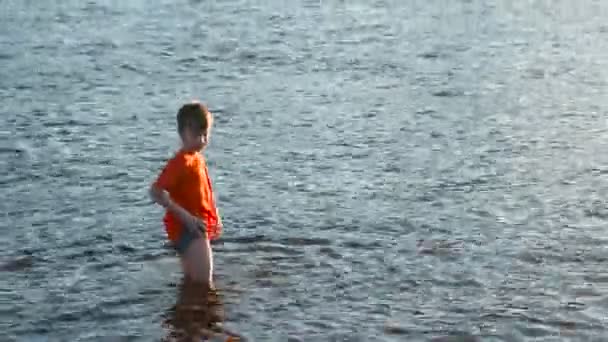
x=195 y=225
x=219 y=222
x=219 y=226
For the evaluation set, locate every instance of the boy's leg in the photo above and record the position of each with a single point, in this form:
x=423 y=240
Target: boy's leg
x=197 y=260
x=195 y=256
x=210 y=253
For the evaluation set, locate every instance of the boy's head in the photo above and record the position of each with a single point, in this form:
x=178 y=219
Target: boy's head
x=194 y=125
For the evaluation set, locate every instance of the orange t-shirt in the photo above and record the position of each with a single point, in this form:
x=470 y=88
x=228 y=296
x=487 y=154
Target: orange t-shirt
x=186 y=178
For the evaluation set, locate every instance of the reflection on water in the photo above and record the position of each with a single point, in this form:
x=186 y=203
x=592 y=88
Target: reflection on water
x=197 y=315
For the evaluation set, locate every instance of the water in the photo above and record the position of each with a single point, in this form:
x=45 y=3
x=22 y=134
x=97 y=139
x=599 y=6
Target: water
x=387 y=170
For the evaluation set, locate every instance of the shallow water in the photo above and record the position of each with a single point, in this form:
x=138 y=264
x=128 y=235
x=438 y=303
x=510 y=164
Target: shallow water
x=387 y=171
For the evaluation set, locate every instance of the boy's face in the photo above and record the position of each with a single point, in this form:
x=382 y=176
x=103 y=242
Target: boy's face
x=195 y=138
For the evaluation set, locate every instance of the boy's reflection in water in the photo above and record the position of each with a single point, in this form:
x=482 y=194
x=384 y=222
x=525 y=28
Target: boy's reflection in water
x=197 y=315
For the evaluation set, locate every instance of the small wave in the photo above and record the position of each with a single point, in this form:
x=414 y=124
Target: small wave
x=361 y=244
x=330 y=252
x=439 y=247
x=129 y=67
x=430 y=55
x=18 y=264
x=464 y=337
x=247 y=239
x=448 y=93
x=301 y=241
x=104 y=266
x=273 y=248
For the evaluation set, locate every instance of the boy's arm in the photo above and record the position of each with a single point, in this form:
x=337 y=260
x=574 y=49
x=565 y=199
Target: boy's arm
x=161 y=197
x=160 y=194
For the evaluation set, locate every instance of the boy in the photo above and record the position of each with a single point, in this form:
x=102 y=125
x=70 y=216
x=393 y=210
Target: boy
x=184 y=189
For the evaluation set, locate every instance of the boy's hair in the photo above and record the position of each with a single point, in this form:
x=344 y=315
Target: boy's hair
x=193 y=115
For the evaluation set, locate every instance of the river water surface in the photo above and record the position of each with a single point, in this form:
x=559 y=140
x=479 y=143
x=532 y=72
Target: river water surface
x=387 y=170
